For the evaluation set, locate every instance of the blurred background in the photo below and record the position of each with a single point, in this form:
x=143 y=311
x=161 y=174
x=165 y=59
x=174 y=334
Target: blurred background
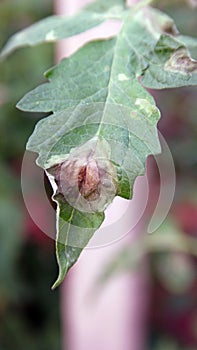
x=29 y=311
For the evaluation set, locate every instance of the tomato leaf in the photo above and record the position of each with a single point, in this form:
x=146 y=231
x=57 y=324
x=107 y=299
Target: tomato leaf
x=54 y=28
x=104 y=123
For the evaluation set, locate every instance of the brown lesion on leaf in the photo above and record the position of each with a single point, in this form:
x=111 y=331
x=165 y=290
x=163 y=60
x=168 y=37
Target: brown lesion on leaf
x=81 y=176
x=181 y=62
x=88 y=181
x=84 y=176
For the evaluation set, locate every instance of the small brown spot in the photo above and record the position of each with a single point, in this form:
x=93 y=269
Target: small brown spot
x=187 y=63
x=81 y=176
x=181 y=62
x=88 y=180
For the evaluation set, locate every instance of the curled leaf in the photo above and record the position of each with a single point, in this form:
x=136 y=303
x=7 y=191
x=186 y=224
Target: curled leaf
x=87 y=178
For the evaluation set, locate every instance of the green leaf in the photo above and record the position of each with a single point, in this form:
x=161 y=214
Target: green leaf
x=159 y=55
x=75 y=230
x=103 y=125
x=100 y=109
x=190 y=43
x=170 y=66
x=59 y=27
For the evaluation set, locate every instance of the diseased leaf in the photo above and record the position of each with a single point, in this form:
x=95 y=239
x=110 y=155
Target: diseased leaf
x=54 y=28
x=96 y=100
x=171 y=66
x=103 y=125
x=158 y=53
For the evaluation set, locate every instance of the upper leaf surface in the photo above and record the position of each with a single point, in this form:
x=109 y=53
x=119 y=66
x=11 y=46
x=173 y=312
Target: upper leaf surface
x=96 y=97
x=101 y=109
x=159 y=55
x=75 y=229
x=103 y=125
x=54 y=28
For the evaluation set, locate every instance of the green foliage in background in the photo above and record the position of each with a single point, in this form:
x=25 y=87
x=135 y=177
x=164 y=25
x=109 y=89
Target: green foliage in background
x=25 y=318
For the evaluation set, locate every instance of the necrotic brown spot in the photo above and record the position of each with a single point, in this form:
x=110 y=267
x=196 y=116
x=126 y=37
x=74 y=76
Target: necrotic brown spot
x=81 y=177
x=180 y=61
x=88 y=180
